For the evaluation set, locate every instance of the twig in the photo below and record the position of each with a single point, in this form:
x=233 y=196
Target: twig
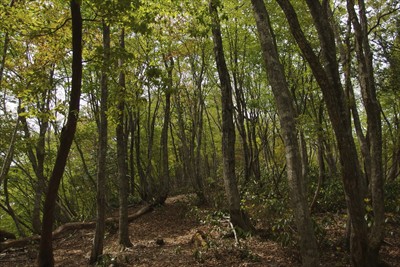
x=234 y=234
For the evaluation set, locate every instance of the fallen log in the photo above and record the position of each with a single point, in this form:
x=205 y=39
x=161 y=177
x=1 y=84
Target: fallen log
x=73 y=226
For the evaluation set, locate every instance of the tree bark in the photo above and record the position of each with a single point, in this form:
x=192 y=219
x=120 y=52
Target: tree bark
x=238 y=217
x=45 y=257
x=287 y=114
x=122 y=144
x=98 y=242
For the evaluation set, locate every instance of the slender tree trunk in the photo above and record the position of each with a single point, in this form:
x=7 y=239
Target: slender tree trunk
x=238 y=217
x=287 y=114
x=183 y=147
x=164 y=179
x=255 y=159
x=40 y=187
x=45 y=257
x=151 y=121
x=143 y=183
x=84 y=164
x=198 y=78
x=240 y=115
x=320 y=156
x=394 y=169
x=41 y=180
x=241 y=110
x=330 y=158
x=98 y=243
x=4 y=176
x=132 y=128
x=10 y=154
x=198 y=158
x=10 y=210
x=37 y=157
x=122 y=144
x=4 y=55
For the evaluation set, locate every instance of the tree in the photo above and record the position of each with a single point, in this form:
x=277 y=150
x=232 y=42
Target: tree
x=122 y=144
x=328 y=78
x=287 y=114
x=5 y=50
x=164 y=178
x=37 y=152
x=97 y=248
x=45 y=257
x=237 y=216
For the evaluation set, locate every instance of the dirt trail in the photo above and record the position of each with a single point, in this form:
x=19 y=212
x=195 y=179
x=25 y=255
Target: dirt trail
x=167 y=237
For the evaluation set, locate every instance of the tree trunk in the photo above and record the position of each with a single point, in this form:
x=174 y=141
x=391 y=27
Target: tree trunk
x=372 y=108
x=164 y=178
x=122 y=144
x=98 y=242
x=328 y=79
x=287 y=114
x=394 y=169
x=4 y=55
x=198 y=78
x=255 y=159
x=238 y=217
x=40 y=186
x=10 y=154
x=45 y=257
x=320 y=155
x=151 y=122
x=10 y=210
x=143 y=183
x=36 y=156
x=132 y=128
x=198 y=159
x=184 y=153
x=345 y=50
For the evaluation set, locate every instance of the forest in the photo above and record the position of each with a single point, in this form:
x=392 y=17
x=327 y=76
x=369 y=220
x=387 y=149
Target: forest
x=200 y=133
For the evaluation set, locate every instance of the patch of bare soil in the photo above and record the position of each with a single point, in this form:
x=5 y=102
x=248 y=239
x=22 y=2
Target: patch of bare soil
x=170 y=235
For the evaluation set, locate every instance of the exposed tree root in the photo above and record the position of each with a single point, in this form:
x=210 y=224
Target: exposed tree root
x=73 y=226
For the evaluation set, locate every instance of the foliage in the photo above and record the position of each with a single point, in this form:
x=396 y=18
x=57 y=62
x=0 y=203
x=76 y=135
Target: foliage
x=331 y=197
x=270 y=208
x=392 y=191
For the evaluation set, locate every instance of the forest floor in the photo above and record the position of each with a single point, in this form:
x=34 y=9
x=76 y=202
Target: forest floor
x=173 y=235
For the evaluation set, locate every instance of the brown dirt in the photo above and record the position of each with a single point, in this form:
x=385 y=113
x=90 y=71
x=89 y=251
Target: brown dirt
x=167 y=237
